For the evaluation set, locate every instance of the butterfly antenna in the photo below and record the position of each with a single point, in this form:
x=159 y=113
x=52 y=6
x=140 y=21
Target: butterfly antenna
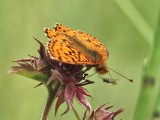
x=91 y=75
x=110 y=75
x=130 y=80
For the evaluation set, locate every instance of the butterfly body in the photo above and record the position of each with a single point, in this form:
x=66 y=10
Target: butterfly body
x=76 y=47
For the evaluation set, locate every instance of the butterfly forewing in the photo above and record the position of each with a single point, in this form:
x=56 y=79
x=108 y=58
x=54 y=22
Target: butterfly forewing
x=75 y=47
x=60 y=48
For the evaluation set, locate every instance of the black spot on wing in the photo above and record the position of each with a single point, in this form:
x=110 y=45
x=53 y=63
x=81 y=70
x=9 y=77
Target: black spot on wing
x=64 y=40
x=64 y=31
x=66 y=54
x=79 y=56
x=69 y=53
x=59 y=58
x=73 y=60
x=97 y=46
x=88 y=40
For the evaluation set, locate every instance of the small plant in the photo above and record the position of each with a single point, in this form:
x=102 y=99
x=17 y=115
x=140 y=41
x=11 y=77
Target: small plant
x=64 y=82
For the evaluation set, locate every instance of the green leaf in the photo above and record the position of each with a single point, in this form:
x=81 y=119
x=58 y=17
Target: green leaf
x=34 y=75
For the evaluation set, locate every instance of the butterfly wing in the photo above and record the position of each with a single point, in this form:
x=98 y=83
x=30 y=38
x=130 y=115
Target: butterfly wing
x=60 y=48
x=86 y=40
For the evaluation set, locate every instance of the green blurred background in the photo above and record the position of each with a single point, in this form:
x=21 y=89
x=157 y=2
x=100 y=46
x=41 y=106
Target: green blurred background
x=125 y=27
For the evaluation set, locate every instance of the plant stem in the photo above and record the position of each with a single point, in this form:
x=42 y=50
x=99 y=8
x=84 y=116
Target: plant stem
x=52 y=92
x=156 y=114
x=148 y=91
x=47 y=107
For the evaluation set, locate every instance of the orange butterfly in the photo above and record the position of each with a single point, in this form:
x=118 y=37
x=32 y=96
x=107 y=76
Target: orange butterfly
x=76 y=47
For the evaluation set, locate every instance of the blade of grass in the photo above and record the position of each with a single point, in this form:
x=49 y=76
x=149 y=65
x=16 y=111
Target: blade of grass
x=150 y=84
x=137 y=19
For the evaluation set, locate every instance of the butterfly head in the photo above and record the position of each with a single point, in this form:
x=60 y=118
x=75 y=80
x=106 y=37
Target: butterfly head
x=102 y=69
